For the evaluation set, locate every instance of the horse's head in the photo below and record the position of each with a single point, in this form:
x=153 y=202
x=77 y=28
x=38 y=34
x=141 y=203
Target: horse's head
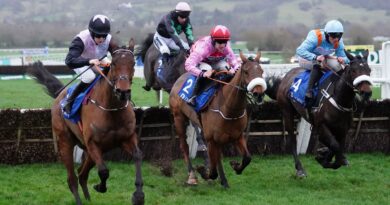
x=252 y=76
x=359 y=72
x=122 y=71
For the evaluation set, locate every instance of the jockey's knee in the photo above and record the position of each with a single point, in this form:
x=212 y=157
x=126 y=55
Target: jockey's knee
x=204 y=66
x=164 y=49
x=88 y=76
x=221 y=66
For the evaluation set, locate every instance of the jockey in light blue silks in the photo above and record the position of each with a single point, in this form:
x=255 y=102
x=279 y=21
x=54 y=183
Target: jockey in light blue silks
x=318 y=44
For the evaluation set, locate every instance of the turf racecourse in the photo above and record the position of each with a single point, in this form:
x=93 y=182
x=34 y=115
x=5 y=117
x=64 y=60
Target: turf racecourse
x=267 y=180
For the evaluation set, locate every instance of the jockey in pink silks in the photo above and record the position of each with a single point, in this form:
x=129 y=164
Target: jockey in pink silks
x=212 y=53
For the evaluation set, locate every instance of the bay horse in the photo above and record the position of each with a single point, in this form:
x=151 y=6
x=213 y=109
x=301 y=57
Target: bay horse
x=107 y=121
x=222 y=122
x=150 y=57
x=332 y=119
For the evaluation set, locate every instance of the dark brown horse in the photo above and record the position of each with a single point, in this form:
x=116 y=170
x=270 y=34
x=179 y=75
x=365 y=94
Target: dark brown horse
x=107 y=121
x=222 y=122
x=333 y=117
x=150 y=57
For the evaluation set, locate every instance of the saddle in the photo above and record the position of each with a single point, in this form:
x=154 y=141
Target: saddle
x=299 y=86
x=205 y=91
x=81 y=99
x=166 y=76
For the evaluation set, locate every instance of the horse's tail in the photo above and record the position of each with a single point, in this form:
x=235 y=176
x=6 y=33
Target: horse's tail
x=44 y=77
x=144 y=47
x=273 y=84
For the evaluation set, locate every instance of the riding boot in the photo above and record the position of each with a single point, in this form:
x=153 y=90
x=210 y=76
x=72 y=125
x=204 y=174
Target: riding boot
x=164 y=60
x=77 y=90
x=194 y=92
x=315 y=75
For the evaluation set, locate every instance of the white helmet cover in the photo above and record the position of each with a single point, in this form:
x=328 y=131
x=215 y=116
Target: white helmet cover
x=182 y=6
x=334 y=26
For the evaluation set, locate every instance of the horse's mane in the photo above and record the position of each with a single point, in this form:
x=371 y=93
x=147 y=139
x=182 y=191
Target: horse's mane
x=273 y=83
x=141 y=51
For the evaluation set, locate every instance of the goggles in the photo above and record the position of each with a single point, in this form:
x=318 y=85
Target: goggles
x=335 y=35
x=183 y=14
x=99 y=35
x=221 y=41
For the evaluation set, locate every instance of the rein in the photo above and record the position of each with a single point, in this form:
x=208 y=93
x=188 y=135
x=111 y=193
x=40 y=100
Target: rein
x=225 y=83
x=339 y=76
x=108 y=109
x=111 y=84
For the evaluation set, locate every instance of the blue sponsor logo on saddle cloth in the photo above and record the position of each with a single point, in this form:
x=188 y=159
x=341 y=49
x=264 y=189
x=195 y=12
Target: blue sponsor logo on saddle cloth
x=301 y=82
x=188 y=88
x=74 y=114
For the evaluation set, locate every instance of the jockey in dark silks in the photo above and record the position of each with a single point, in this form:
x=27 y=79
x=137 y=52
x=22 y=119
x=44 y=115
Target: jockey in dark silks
x=86 y=49
x=168 y=30
x=318 y=44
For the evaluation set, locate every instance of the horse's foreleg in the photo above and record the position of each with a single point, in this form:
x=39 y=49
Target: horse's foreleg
x=292 y=144
x=246 y=157
x=66 y=153
x=96 y=154
x=222 y=175
x=83 y=175
x=132 y=148
x=328 y=139
x=181 y=132
x=214 y=155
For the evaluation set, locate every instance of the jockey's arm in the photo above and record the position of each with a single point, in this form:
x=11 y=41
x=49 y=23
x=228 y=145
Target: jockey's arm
x=305 y=50
x=73 y=58
x=172 y=32
x=192 y=62
x=189 y=34
x=341 y=53
x=231 y=58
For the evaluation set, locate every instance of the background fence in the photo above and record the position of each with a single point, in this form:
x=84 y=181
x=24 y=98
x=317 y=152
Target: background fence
x=26 y=136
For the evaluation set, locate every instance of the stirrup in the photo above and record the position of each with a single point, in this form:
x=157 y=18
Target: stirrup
x=68 y=107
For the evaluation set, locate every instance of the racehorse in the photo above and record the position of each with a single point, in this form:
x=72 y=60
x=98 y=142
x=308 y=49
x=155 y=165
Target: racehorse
x=150 y=57
x=107 y=121
x=333 y=117
x=222 y=122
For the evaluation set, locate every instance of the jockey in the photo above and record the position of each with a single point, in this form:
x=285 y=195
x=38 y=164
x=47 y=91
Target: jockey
x=85 y=50
x=212 y=53
x=170 y=27
x=318 y=44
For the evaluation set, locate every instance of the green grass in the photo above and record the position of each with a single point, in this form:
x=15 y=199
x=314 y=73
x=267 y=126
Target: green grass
x=267 y=180
x=28 y=94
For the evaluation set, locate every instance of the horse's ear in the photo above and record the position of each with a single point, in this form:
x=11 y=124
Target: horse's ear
x=365 y=54
x=131 y=44
x=258 y=55
x=243 y=58
x=349 y=56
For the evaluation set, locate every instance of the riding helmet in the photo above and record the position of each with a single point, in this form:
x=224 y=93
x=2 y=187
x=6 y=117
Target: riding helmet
x=220 y=32
x=99 y=24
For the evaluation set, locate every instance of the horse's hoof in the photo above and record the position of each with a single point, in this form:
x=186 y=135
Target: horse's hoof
x=192 y=182
x=345 y=162
x=146 y=87
x=202 y=171
x=138 y=198
x=225 y=185
x=300 y=174
x=100 y=188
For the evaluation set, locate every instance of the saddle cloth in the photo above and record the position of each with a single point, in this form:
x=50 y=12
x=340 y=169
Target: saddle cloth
x=74 y=115
x=299 y=86
x=202 y=99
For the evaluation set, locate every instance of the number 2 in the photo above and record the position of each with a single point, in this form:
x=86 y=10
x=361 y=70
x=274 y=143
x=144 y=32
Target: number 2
x=188 y=85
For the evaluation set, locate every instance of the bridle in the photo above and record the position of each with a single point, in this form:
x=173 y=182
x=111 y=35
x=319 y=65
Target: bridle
x=112 y=82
